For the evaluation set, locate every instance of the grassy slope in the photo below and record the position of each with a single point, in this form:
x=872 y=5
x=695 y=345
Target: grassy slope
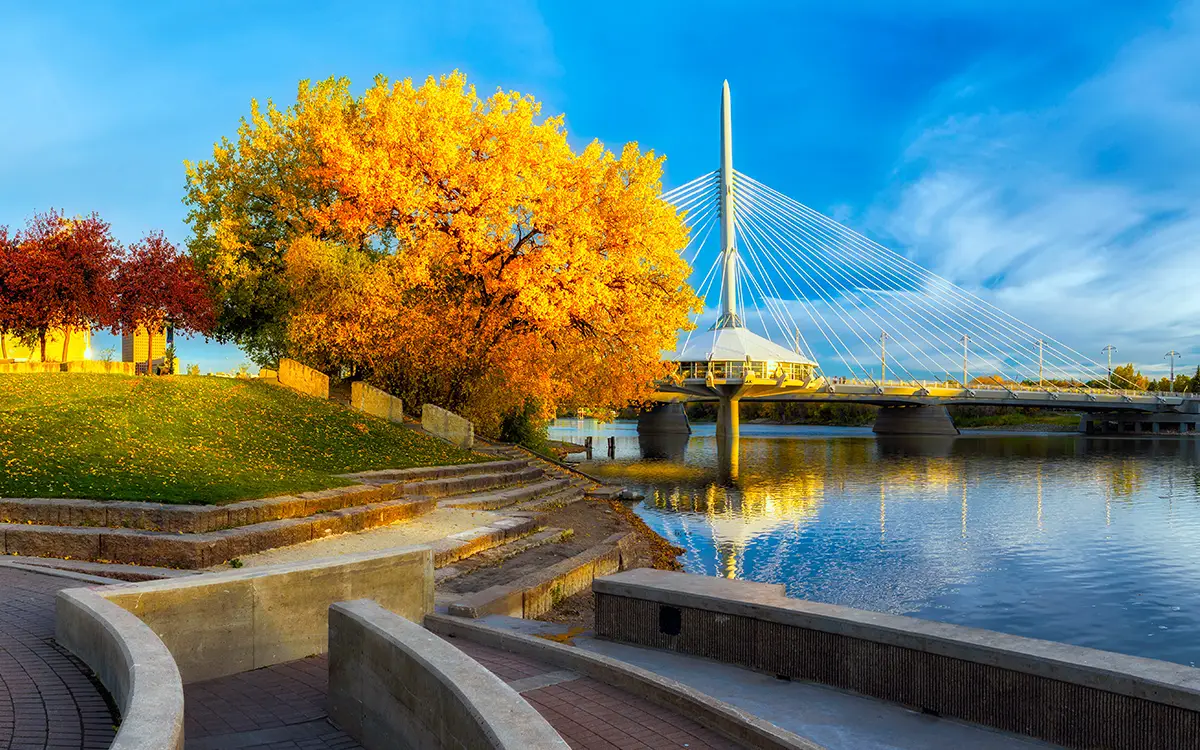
x=188 y=439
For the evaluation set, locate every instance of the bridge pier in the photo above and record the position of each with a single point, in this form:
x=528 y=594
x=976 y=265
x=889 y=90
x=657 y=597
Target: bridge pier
x=728 y=423
x=914 y=420
x=664 y=419
x=1140 y=423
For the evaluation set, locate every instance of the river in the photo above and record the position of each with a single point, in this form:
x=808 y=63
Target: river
x=1091 y=541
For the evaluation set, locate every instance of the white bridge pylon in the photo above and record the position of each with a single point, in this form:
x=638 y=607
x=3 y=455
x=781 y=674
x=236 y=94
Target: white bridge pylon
x=887 y=331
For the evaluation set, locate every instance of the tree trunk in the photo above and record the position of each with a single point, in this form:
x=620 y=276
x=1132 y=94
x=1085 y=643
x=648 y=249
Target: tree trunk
x=42 y=339
x=3 y=346
x=149 y=351
x=66 y=342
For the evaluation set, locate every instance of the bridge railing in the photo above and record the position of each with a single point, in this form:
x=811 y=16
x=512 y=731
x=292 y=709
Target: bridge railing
x=741 y=370
x=1023 y=387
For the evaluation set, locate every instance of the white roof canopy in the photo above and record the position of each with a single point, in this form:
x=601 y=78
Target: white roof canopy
x=734 y=345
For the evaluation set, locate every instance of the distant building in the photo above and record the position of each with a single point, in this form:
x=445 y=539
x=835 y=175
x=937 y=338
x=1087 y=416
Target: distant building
x=134 y=346
x=77 y=349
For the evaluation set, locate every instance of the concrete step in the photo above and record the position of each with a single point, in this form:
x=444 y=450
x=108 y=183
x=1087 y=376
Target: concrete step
x=572 y=492
x=493 y=500
x=107 y=570
x=199 y=550
x=465 y=544
x=499 y=554
x=192 y=519
x=387 y=476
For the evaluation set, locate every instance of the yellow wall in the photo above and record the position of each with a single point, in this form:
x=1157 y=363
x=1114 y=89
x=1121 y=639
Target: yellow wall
x=133 y=348
x=81 y=338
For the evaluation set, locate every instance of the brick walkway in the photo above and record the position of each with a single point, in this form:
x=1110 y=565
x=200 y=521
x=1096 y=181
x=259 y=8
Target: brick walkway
x=47 y=698
x=276 y=708
x=589 y=714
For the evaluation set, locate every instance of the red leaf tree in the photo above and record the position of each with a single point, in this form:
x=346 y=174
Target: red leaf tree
x=57 y=274
x=157 y=285
x=11 y=291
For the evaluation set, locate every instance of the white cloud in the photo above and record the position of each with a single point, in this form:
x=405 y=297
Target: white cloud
x=1082 y=219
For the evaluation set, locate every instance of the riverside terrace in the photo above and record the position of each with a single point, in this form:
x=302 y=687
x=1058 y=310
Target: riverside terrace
x=331 y=654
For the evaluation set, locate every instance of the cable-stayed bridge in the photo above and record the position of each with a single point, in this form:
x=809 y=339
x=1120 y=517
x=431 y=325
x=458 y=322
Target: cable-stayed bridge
x=841 y=318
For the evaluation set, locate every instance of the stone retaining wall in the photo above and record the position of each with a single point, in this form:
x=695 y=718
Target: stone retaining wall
x=304 y=379
x=1067 y=695
x=131 y=662
x=26 y=367
x=101 y=368
x=83 y=365
x=375 y=402
x=448 y=426
x=394 y=684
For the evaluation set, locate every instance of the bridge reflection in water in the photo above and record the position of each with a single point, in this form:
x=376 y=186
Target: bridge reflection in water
x=1087 y=540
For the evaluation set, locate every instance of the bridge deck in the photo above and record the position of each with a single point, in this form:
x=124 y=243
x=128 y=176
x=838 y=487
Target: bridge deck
x=899 y=394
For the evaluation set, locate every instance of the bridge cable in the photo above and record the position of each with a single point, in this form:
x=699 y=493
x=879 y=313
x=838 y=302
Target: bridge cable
x=925 y=360
x=800 y=221
x=953 y=292
x=894 y=312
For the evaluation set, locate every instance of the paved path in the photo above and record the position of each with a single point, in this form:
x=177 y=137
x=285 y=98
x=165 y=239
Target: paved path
x=47 y=697
x=276 y=708
x=832 y=718
x=589 y=714
x=283 y=708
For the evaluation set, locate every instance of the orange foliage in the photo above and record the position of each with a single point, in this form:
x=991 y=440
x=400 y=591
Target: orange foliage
x=455 y=249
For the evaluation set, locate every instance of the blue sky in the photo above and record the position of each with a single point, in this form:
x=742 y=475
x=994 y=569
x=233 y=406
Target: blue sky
x=1047 y=156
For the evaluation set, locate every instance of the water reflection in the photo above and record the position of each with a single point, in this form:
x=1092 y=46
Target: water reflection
x=1094 y=541
x=663 y=447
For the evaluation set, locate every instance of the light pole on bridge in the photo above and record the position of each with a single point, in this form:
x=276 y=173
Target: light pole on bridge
x=1040 y=343
x=966 y=340
x=1109 y=350
x=883 y=337
x=1172 y=355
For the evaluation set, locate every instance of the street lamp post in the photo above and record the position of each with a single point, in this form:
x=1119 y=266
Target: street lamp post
x=883 y=337
x=1109 y=350
x=1040 y=344
x=965 y=340
x=1172 y=356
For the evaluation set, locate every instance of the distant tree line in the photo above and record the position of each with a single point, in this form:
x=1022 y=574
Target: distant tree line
x=1135 y=379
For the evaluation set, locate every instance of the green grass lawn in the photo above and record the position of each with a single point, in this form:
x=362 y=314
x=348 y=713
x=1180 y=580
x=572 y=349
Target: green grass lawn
x=188 y=439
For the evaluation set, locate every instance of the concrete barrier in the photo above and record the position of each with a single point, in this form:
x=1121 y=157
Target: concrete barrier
x=224 y=623
x=745 y=729
x=19 y=368
x=304 y=379
x=101 y=368
x=1067 y=695
x=131 y=662
x=375 y=402
x=448 y=426
x=394 y=684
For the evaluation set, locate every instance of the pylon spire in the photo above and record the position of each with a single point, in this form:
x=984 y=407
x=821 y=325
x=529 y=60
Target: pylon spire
x=729 y=317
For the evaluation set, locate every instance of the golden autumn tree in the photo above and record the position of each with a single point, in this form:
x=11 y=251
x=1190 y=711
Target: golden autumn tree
x=451 y=248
